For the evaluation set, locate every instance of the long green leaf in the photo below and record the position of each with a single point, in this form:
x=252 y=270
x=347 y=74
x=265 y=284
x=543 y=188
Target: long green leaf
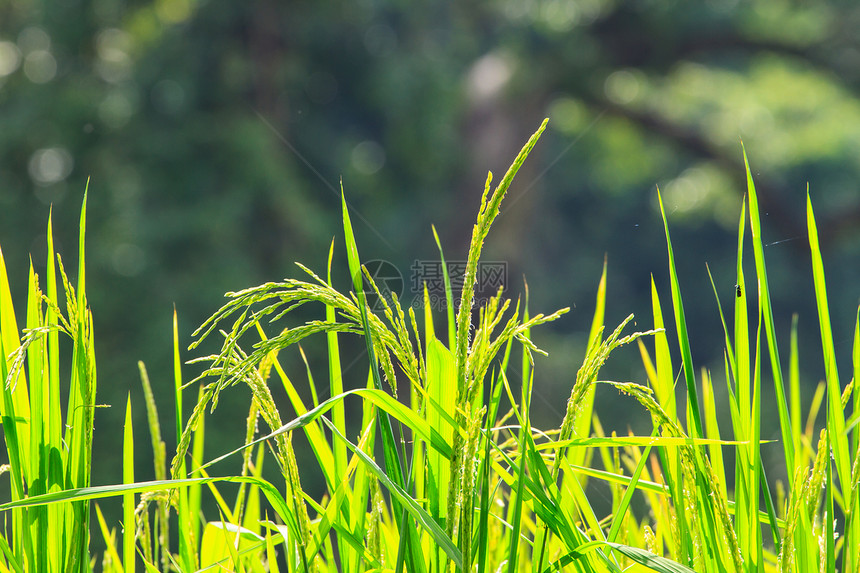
x=377 y=397
x=409 y=504
x=394 y=458
x=681 y=326
x=449 y=293
x=104 y=491
x=835 y=415
x=128 y=505
x=764 y=302
x=441 y=387
x=646 y=558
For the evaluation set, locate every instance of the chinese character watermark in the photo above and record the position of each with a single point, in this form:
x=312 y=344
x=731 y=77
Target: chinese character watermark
x=490 y=276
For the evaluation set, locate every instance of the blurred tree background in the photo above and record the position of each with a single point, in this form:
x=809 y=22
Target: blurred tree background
x=215 y=134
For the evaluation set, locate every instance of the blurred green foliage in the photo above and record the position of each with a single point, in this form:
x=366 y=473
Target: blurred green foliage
x=214 y=136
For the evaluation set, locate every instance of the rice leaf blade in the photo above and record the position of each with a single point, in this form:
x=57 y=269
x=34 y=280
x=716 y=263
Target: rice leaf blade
x=835 y=416
x=128 y=505
x=681 y=325
x=764 y=303
x=408 y=503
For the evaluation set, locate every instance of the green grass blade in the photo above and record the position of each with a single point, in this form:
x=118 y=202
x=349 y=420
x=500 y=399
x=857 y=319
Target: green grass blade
x=681 y=326
x=335 y=379
x=582 y=425
x=829 y=565
x=81 y=405
x=712 y=431
x=835 y=415
x=695 y=428
x=15 y=403
x=195 y=491
x=271 y=553
x=105 y=491
x=441 y=388
x=855 y=362
x=620 y=511
x=851 y=561
x=32 y=432
x=740 y=351
x=128 y=505
x=753 y=470
x=335 y=388
x=361 y=495
x=449 y=293
x=394 y=458
x=81 y=287
x=378 y=398
x=517 y=504
x=415 y=510
x=187 y=515
x=646 y=558
x=664 y=381
x=53 y=408
x=794 y=399
x=11 y=559
x=159 y=450
x=110 y=543
x=785 y=422
x=597 y=320
x=313 y=431
x=745 y=423
x=485 y=507
x=177 y=379
x=330 y=514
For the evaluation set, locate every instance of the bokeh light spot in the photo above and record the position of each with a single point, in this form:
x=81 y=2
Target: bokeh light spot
x=488 y=76
x=622 y=87
x=116 y=109
x=114 y=64
x=173 y=11
x=33 y=39
x=368 y=157
x=40 y=66
x=560 y=15
x=568 y=115
x=50 y=165
x=10 y=58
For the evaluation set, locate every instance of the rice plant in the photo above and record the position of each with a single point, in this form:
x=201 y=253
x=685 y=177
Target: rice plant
x=46 y=518
x=464 y=481
x=47 y=451
x=450 y=475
